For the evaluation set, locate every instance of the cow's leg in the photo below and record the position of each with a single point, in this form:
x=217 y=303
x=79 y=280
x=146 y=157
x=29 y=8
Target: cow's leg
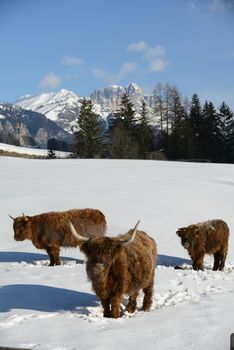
x=106 y=306
x=222 y=260
x=131 y=307
x=147 y=302
x=53 y=253
x=115 y=306
x=216 y=261
x=50 y=256
x=198 y=262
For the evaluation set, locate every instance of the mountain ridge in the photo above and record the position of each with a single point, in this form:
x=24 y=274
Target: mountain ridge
x=27 y=127
x=63 y=106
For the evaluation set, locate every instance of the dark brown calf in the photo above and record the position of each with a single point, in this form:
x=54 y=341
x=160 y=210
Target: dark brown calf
x=50 y=231
x=118 y=266
x=209 y=237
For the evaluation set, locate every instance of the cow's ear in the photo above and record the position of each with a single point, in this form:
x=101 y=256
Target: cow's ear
x=84 y=247
x=179 y=232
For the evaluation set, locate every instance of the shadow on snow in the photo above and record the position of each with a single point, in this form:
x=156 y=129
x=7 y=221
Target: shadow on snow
x=167 y=260
x=44 y=298
x=30 y=257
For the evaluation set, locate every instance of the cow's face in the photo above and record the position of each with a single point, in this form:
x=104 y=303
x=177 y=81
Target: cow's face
x=187 y=235
x=101 y=253
x=22 y=228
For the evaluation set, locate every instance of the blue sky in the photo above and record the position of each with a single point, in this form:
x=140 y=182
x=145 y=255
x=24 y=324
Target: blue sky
x=79 y=45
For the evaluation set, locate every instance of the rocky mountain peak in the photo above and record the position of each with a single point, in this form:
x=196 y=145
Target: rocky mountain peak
x=63 y=106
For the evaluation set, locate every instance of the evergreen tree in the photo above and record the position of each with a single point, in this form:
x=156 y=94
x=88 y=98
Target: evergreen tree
x=226 y=130
x=88 y=137
x=123 y=142
x=209 y=134
x=196 y=124
x=126 y=115
x=52 y=144
x=51 y=154
x=144 y=133
x=178 y=141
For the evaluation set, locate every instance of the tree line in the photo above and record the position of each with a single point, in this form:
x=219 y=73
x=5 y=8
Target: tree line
x=186 y=129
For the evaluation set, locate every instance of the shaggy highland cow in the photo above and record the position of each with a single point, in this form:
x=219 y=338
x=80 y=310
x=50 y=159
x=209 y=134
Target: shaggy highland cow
x=50 y=231
x=209 y=237
x=120 y=265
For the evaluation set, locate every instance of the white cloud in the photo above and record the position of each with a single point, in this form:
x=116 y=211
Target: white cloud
x=154 y=52
x=127 y=68
x=50 y=81
x=199 y=7
x=218 y=6
x=157 y=64
x=103 y=75
x=72 y=61
x=154 y=55
x=141 y=46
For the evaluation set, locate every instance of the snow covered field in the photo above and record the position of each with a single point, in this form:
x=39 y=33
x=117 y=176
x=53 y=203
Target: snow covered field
x=31 y=151
x=44 y=307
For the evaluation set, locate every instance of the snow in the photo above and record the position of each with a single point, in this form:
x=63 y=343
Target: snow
x=115 y=87
x=51 y=103
x=2 y=116
x=31 y=151
x=44 y=307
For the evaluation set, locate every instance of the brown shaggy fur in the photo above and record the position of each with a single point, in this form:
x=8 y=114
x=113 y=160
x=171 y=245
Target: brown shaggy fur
x=115 y=270
x=210 y=237
x=50 y=231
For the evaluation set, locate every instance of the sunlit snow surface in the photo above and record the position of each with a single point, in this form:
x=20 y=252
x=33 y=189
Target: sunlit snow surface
x=39 y=152
x=44 y=307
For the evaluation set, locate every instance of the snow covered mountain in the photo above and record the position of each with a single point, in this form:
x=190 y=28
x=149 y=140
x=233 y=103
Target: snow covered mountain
x=110 y=97
x=63 y=106
x=28 y=128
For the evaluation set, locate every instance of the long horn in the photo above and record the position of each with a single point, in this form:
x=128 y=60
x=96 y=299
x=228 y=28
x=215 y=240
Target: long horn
x=76 y=235
x=11 y=217
x=130 y=239
x=25 y=217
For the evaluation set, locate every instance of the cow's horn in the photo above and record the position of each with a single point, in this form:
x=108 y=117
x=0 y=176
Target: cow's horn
x=76 y=235
x=125 y=241
x=25 y=217
x=11 y=217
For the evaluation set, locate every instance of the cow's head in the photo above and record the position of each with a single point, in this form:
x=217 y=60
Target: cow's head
x=22 y=228
x=188 y=235
x=101 y=253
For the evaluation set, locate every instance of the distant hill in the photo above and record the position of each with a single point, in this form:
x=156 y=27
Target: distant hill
x=28 y=128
